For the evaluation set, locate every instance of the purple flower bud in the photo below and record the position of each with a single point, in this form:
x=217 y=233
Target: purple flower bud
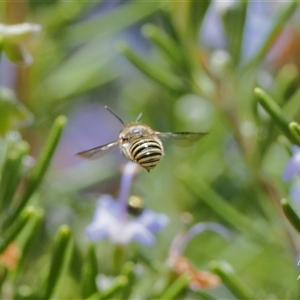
x=292 y=167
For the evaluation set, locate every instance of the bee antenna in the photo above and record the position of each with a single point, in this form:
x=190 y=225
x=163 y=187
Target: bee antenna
x=113 y=113
x=139 y=117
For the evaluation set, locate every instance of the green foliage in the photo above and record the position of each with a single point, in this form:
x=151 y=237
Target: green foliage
x=12 y=112
x=227 y=275
x=38 y=171
x=158 y=74
x=291 y=214
x=59 y=259
x=232 y=177
x=89 y=273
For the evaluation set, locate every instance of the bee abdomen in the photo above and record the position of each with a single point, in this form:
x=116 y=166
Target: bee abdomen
x=146 y=152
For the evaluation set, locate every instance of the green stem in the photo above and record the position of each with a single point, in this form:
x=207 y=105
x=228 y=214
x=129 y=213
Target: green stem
x=290 y=214
x=230 y=279
x=118 y=258
x=276 y=114
x=37 y=174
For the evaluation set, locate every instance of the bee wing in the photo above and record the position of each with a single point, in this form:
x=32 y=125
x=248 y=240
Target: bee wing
x=99 y=151
x=184 y=139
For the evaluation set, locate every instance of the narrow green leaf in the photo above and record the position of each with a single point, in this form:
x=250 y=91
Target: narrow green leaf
x=46 y=155
x=37 y=174
x=291 y=108
x=232 y=281
x=234 y=22
x=168 y=24
x=158 y=74
x=285 y=80
x=279 y=22
x=176 y=288
x=89 y=273
x=111 y=22
x=9 y=235
x=59 y=259
x=290 y=214
x=187 y=18
x=88 y=67
x=30 y=235
x=10 y=176
x=3 y=276
x=169 y=47
x=295 y=131
x=197 y=12
x=276 y=113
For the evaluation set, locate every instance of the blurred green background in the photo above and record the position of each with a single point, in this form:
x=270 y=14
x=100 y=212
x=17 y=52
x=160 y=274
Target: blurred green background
x=188 y=66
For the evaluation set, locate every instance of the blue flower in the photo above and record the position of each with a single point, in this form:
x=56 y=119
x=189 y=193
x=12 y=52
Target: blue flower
x=295 y=192
x=111 y=219
x=292 y=167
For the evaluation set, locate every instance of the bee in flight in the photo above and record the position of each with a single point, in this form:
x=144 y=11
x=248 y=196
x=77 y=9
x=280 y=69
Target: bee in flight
x=141 y=144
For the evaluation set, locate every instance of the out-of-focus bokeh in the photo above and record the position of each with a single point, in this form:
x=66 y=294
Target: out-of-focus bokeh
x=188 y=66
